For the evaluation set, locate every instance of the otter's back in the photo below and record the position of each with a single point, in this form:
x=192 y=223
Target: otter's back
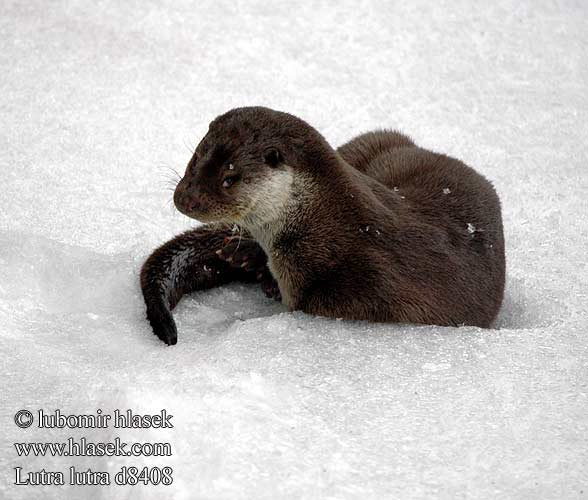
x=443 y=193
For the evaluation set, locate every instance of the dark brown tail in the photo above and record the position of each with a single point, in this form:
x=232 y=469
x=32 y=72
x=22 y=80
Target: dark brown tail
x=360 y=151
x=184 y=264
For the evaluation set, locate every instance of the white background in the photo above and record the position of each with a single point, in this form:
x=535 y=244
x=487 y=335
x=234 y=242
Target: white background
x=99 y=99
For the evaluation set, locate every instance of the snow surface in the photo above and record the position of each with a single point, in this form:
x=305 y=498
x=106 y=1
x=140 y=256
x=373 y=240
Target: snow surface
x=100 y=99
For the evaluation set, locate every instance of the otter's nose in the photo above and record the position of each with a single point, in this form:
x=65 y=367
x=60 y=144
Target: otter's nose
x=192 y=203
x=187 y=200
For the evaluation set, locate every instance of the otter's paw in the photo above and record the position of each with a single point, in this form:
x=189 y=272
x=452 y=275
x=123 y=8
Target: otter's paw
x=269 y=285
x=242 y=252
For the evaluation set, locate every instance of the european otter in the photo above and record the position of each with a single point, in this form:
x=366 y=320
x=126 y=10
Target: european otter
x=377 y=230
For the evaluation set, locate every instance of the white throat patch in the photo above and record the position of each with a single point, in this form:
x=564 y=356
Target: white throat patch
x=277 y=201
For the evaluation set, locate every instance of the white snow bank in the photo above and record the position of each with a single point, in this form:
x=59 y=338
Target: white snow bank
x=98 y=99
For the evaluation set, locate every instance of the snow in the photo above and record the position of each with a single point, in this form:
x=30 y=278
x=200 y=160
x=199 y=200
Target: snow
x=98 y=100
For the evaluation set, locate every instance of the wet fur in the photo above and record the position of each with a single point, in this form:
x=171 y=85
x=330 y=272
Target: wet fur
x=187 y=263
x=378 y=230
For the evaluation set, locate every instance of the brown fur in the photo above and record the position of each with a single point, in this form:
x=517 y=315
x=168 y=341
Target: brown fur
x=378 y=230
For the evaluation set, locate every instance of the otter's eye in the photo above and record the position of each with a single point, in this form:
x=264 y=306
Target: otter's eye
x=272 y=157
x=230 y=180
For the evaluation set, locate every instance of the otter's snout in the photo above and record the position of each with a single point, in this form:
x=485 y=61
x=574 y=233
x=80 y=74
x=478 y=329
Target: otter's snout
x=192 y=204
x=188 y=201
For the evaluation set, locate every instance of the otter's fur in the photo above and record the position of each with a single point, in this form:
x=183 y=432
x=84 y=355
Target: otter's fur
x=377 y=230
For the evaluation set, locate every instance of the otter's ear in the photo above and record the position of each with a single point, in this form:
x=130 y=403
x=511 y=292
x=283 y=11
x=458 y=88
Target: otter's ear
x=272 y=157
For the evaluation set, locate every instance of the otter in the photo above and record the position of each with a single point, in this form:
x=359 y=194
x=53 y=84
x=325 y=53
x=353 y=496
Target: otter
x=379 y=229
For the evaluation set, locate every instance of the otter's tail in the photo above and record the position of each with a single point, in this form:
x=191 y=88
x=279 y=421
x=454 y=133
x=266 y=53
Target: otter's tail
x=184 y=264
x=365 y=148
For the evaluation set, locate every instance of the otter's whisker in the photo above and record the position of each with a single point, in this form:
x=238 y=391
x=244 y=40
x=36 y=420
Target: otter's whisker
x=190 y=149
x=170 y=170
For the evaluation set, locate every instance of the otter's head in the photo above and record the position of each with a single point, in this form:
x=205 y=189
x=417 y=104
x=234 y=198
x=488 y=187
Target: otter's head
x=244 y=168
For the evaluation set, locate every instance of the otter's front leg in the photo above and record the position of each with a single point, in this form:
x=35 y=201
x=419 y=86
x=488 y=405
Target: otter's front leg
x=184 y=264
x=245 y=253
